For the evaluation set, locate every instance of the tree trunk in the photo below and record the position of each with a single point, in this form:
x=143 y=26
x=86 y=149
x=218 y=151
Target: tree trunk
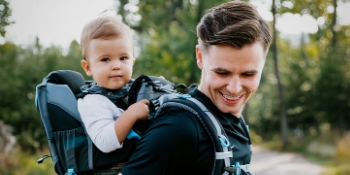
x=334 y=23
x=284 y=126
x=194 y=69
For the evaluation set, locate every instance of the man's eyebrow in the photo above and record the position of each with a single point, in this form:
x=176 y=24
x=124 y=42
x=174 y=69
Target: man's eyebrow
x=220 y=69
x=253 y=71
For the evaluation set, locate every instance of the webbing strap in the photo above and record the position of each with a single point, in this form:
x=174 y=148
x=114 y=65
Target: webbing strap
x=90 y=152
x=218 y=129
x=245 y=167
x=223 y=155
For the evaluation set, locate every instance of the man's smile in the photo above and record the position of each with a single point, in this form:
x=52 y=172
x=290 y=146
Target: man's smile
x=230 y=99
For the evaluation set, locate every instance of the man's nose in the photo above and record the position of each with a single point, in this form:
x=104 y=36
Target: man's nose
x=234 y=85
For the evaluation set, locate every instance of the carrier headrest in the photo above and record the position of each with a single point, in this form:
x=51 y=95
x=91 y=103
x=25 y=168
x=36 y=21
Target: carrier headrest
x=74 y=80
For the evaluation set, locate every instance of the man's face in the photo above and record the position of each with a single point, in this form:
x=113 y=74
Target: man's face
x=230 y=75
x=110 y=62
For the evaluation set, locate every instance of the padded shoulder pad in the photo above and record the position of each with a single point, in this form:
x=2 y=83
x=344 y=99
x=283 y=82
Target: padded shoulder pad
x=61 y=96
x=162 y=81
x=74 y=80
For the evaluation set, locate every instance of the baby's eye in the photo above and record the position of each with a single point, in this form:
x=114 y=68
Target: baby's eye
x=123 y=58
x=105 y=59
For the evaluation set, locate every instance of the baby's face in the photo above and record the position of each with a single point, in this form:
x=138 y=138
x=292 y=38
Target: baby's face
x=110 y=61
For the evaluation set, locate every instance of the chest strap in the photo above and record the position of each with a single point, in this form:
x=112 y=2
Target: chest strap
x=226 y=154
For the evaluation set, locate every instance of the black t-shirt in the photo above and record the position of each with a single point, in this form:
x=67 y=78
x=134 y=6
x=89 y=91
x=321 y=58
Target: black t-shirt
x=176 y=143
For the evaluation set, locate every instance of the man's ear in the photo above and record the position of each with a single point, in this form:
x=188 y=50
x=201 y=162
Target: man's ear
x=199 y=57
x=86 y=67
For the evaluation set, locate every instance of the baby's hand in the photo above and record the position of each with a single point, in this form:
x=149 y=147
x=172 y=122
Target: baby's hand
x=139 y=109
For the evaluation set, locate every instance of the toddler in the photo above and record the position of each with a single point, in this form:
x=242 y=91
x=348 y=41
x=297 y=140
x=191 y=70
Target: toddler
x=108 y=56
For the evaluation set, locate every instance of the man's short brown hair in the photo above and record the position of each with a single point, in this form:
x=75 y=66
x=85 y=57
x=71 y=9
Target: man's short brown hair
x=234 y=23
x=105 y=27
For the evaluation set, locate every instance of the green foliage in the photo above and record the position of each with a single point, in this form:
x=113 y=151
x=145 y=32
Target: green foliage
x=5 y=13
x=168 y=41
x=315 y=77
x=22 y=70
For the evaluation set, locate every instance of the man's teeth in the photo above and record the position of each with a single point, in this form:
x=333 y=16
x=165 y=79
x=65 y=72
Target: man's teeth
x=231 y=98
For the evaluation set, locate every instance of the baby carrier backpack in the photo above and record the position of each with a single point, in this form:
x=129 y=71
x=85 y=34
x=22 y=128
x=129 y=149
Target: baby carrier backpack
x=72 y=149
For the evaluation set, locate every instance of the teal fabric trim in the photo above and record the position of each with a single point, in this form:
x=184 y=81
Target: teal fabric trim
x=132 y=134
x=36 y=95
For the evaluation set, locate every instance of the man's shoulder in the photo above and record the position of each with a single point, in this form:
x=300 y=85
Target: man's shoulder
x=176 y=115
x=178 y=123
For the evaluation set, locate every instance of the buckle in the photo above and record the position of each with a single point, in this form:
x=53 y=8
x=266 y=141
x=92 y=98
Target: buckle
x=70 y=172
x=234 y=169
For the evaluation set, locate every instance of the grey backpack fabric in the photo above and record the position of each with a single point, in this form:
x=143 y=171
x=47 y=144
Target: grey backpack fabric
x=70 y=146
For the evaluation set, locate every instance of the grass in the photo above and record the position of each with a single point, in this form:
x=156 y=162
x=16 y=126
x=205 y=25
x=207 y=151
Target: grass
x=19 y=162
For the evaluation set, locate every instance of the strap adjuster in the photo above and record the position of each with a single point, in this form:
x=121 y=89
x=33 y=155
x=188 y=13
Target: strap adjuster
x=234 y=169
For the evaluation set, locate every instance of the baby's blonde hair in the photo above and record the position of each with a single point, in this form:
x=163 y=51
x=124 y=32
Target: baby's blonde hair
x=105 y=27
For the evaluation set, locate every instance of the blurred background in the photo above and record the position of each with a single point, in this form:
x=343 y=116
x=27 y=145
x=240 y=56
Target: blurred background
x=301 y=106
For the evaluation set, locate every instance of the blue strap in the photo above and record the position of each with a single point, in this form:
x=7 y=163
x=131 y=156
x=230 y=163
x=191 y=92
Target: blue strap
x=184 y=96
x=132 y=134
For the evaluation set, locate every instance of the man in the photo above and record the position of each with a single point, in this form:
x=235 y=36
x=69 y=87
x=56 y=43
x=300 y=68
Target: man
x=233 y=43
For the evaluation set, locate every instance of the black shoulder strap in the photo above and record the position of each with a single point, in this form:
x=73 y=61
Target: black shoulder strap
x=223 y=152
x=148 y=87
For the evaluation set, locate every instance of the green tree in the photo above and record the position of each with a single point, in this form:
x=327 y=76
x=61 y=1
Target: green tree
x=5 y=13
x=168 y=38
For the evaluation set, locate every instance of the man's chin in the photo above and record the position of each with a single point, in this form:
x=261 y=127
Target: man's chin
x=230 y=110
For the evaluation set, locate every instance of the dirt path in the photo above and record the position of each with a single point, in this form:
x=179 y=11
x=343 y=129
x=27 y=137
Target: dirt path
x=266 y=162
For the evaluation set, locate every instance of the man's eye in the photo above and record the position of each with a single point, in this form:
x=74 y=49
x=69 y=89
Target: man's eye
x=105 y=59
x=123 y=58
x=248 y=75
x=222 y=73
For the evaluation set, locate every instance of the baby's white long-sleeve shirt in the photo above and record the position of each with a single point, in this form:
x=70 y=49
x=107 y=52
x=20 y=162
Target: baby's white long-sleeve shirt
x=98 y=114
